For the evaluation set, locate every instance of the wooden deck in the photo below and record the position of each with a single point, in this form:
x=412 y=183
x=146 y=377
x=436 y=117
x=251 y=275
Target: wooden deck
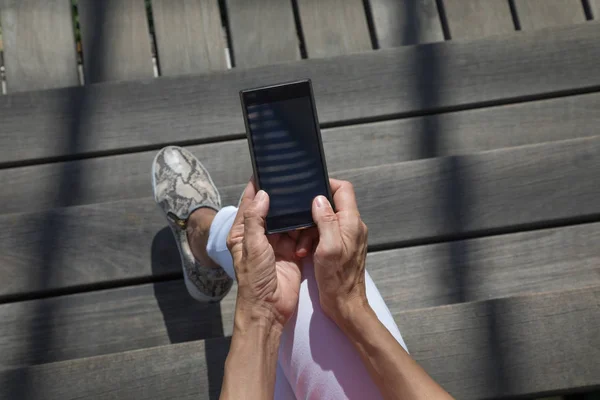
x=470 y=129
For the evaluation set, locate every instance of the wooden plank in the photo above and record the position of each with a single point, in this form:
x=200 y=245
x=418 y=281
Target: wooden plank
x=189 y=36
x=334 y=27
x=262 y=32
x=178 y=371
x=595 y=8
x=108 y=321
x=401 y=23
x=537 y=14
x=516 y=346
x=77 y=326
x=509 y=347
x=475 y=19
x=115 y=39
x=430 y=200
x=102 y=179
x=380 y=84
x=39 y=44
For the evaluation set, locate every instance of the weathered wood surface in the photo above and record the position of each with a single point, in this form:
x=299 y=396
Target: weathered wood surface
x=537 y=14
x=262 y=32
x=537 y=343
x=107 y=321
x=379 y=84
x=404 y=203
x=595 y=8
x=39 y=44
x=189 y=36
x=475 y=19
x=400 y=23
x=116 y=40
x=508 y=347
x=334 y=27
x=135 y=317
x=127 y=176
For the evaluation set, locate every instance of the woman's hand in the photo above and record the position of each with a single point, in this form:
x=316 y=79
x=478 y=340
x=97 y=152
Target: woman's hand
x=340 y=255
x=267 y=268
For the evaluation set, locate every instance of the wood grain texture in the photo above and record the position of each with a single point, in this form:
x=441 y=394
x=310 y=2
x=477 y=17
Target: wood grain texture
x=77 y=326
x=374 y=85
x=108 y=321
x=189 y=36
x=595 y=8
x=508 y=347
x=475 y=19
x=127 y=176
x=262 y=32
x=115 y=39
x=334 y=27
x=430 y=200
x=39 y=44
x=401 y=23
x=537 y=14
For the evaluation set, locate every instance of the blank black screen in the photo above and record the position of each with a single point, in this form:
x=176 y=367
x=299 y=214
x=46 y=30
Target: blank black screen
x=287 y=155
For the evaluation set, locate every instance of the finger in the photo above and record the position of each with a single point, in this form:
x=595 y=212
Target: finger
x=247 y=198
x=327 y=223
x=286 y=247
x=294 y=234
x=254 y=219
x=274 y=239
x=344 y=197
x=305 y=241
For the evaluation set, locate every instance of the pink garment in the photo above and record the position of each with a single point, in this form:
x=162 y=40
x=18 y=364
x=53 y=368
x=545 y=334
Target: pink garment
x=316 y=360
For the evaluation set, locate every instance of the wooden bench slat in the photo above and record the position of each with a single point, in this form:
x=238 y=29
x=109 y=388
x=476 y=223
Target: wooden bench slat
x=116 y=40
x=400 y=23
x=595 y=8
x=334 y=27
x=348 y=88
x=135 y=317
x=475 y=19
x=39 y=44
x=127 y=176
x=189 y=36
x=403 y=203
x=263 y=32
x=515 y=346
x=537 y=14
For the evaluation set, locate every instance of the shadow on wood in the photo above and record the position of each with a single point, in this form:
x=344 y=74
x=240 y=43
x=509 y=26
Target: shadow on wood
x=185 y=318
x=53 y=228
x=454 y=214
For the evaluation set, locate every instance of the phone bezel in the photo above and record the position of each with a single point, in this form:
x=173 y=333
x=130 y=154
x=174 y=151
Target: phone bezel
x=279 y=92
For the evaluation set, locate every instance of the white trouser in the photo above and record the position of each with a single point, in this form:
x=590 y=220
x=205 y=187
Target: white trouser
x=316 y=360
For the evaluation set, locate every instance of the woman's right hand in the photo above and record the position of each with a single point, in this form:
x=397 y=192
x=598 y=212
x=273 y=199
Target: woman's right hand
x=340 y=255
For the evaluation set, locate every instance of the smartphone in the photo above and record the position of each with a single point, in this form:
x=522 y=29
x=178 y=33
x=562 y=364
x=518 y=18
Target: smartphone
x=286 y=151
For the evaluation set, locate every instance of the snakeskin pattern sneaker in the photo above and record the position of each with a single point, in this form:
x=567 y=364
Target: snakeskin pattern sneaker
x=181 y=185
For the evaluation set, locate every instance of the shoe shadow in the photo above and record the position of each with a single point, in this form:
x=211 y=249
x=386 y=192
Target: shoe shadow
x=185 y=318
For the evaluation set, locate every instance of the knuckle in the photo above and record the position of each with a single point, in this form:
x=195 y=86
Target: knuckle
x=330 y=252
x=251 y=213
x=329 y=217
x=229 y=242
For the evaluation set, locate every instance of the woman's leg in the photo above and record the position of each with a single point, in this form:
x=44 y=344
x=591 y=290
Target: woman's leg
x=317 y=359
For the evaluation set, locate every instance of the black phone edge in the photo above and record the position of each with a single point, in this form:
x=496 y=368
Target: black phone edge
x=319 y=137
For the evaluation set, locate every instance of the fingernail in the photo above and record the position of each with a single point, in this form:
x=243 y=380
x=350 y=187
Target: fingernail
x=321 y=201
x=261 y=195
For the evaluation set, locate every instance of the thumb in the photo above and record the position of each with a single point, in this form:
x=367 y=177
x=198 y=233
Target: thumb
x=327 y=223
x=254 y=218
